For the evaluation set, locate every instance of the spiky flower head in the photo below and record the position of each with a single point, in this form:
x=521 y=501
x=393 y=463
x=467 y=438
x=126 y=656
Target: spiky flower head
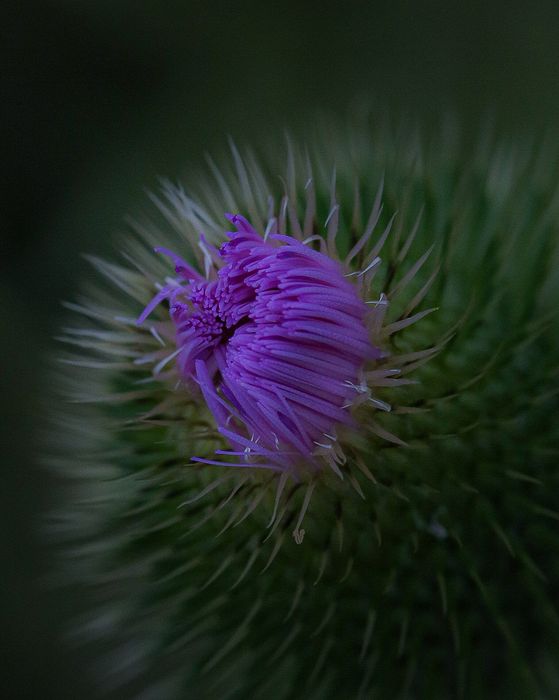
x=314 y=454
x=278 y=340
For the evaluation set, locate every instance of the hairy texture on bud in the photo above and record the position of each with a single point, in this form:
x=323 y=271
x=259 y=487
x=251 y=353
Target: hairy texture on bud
x=319 y=459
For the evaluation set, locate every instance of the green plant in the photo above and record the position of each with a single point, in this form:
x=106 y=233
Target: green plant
x=424 y=563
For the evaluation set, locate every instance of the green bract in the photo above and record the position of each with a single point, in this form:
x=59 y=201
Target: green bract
x=429 y=567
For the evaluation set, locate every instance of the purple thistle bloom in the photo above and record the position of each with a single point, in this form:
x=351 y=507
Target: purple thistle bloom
x=276 y=338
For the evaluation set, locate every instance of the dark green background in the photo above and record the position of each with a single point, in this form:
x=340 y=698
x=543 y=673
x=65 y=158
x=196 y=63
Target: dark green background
x=100 y=98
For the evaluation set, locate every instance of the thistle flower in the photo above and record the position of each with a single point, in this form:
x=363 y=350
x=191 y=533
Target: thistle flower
x=318 y=459
x=282 y=334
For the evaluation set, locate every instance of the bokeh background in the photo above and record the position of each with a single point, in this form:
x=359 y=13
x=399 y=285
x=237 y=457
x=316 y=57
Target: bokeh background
x=100 y=98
